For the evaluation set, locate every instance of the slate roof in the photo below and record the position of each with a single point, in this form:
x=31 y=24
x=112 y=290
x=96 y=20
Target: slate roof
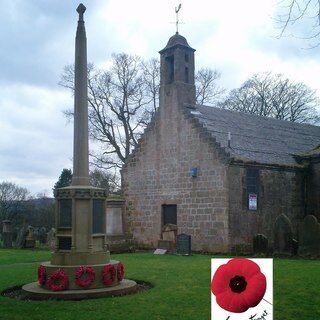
x=258 y=139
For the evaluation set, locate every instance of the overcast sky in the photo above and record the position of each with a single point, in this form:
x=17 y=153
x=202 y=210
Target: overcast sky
x=37 y=40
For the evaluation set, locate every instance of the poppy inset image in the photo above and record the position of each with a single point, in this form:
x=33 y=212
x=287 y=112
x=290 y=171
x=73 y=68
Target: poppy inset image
x=238 y=285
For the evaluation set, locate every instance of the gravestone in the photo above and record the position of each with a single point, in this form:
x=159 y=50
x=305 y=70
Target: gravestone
x=183 y=244
x=309 y=237
x=30 y=241
x=21 y=237
x=114 y=225
x=260 y=244
x=169 y=232
x=283 y=235
x=51 y=239
x=6 y=233
x=42 y=235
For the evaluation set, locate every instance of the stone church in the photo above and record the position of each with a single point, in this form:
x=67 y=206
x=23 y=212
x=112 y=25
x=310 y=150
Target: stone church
x=220 y=176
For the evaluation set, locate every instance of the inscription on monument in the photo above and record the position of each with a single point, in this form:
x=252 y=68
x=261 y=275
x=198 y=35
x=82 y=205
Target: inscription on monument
x=65 y=213
x=97 y=216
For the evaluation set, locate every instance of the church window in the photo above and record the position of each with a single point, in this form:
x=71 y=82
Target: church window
x=186 y=57
x=186 y=75
x=170 y=69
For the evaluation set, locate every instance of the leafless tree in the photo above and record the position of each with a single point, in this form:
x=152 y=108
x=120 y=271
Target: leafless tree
x=273 y=95
x=208 y=92
x=11 y=197
x=122 y=100
x=301 y=16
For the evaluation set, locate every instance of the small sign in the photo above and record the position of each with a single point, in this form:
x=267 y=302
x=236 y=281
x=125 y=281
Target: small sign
x=184 y=244
x=160 y=251
x=253 y=201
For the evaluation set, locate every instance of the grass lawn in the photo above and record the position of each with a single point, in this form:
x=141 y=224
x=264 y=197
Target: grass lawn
x=181 y=289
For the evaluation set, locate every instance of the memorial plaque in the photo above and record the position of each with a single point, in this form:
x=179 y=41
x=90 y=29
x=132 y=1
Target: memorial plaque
x=64 y=243
x=184 y=244
x=97 y=216
x=65 y=213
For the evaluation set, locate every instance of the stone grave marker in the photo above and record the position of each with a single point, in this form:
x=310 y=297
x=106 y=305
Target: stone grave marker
x=260 y=244
x=283 y=235
x=160 y=251
x=183 y=244
x=21 y=237
x=51 y=239
x=30 y=241
x=6 y=233
x=309 y=237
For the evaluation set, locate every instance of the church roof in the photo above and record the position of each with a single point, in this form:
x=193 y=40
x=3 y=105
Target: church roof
x=257 y=139
x=176 y=40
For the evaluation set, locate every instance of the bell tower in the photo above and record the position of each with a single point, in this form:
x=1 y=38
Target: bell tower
x=177 y=70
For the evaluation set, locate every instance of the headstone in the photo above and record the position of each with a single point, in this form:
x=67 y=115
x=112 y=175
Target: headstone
x=184 y=244
x=169 y=233
x=160 y=251
x=309 y=237
x=30 y=242
x=114 y=225
x=260 y=244
x=166 y=245
x=21 y=237
x=51 y=239
x=283 y=235
x=6 y=233
x=42 y=235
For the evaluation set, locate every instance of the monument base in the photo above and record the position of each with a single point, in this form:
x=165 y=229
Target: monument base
x=35 y=292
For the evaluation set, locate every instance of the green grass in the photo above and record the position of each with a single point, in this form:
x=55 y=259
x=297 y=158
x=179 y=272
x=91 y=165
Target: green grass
x=181 y=289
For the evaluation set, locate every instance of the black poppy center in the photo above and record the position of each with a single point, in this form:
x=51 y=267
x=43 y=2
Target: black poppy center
x=238 y=284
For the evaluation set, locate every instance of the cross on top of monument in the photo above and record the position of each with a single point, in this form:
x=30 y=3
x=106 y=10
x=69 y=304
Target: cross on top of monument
x=81 y=10
x=177 y=9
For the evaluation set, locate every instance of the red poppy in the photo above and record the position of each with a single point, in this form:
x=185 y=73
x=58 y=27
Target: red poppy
x=41 y=275
x=58 y=281
x=120 y=271
x=238 y=285
x=84 y=276
x=108 y=274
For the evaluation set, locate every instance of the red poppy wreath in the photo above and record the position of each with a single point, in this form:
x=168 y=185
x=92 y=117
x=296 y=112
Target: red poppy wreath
x=58 y=281
x=41 y=275
x=238 y=285
x=84 y=276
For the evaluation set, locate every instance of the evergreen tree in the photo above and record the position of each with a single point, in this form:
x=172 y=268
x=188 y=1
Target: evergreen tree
x=64 y=179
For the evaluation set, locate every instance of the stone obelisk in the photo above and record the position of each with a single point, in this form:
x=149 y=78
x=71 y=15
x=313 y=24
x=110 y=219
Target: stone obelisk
x=80 y=147
x=80 y=266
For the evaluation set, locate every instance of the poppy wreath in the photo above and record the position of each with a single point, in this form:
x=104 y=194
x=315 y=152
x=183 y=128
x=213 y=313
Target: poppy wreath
x=85 y=276
x=108 y=274
x=41 y=275
x=238 y=285
x=120 y=271
x=58 y=281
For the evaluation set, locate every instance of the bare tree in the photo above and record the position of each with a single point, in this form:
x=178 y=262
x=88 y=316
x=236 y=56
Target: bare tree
x=11 y=198
x=273 y=95
x=120 y=103
x=123 y=99
x=301 y=16
x=207 y=90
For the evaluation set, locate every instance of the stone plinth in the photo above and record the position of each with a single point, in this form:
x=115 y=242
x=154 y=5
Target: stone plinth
x=80 y=226
x=33 y=291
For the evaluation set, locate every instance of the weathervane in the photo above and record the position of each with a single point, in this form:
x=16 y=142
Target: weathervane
x=177 y=9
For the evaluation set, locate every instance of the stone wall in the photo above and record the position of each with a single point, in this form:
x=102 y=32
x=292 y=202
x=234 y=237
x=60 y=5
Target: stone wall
x=280 y=191
x=158 y=173
x=313 y=188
